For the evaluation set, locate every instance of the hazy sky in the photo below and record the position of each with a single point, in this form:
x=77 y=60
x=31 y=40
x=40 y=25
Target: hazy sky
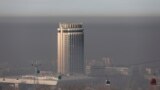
x=125 y=40
x=78 y=7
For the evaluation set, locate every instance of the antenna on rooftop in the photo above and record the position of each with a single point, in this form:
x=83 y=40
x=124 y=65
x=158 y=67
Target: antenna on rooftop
x=36 y=72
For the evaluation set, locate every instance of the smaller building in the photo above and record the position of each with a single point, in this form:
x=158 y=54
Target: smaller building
x=103 y=70
x=29 y=81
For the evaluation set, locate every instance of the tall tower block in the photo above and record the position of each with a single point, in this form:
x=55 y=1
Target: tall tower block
x=70 y=48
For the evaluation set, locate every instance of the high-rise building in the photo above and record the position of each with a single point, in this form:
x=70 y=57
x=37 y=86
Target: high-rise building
x=70 y=48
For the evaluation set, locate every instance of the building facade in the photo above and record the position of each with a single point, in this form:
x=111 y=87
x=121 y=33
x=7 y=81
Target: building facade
x=70 y=48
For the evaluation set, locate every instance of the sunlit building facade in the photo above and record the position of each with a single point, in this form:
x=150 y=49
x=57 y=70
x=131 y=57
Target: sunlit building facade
x=70 y=48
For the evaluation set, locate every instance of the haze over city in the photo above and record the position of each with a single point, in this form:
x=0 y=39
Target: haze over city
x=124 y=40
x=125 y=32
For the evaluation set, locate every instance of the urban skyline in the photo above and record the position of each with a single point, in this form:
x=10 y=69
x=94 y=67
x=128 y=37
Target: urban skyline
x=116 y=48
x=116 y=36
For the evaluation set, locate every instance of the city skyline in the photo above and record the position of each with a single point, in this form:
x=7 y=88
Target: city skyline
x=115 y=44
x=123 y=40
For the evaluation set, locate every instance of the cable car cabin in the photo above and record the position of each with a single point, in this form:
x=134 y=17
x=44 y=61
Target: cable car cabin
x=108 y=82
x=38 y=71
x=59 y=77
x=153 y=81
